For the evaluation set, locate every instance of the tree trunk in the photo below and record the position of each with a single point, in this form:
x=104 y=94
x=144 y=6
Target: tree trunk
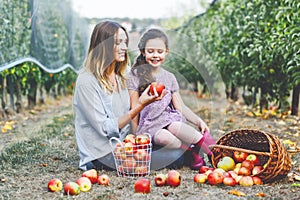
x=11 y=91
x=31 y=96
x=295 y=100
x=19 y=105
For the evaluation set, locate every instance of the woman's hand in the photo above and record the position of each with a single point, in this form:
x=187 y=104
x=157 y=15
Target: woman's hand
x=147 y=98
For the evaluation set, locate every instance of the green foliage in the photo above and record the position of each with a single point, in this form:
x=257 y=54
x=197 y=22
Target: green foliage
x=254 y=44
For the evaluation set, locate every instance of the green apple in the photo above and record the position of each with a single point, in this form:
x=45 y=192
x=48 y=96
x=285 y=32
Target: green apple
x=227 y=163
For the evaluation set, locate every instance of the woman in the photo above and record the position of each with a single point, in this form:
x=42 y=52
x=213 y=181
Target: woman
x=101 y=99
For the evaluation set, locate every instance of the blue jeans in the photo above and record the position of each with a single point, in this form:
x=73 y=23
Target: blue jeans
x=160 y=158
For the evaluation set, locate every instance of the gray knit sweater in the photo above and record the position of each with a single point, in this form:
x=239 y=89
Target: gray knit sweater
x=96 y=117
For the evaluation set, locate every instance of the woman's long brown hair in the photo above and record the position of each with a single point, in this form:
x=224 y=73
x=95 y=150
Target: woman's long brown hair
x=101 y=54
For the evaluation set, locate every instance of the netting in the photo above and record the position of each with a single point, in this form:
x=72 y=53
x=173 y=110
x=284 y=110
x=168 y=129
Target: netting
x=48 y=32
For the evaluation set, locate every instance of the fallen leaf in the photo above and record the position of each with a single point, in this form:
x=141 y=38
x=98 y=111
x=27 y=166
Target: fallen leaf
x=237 y=193
x=296 y=184
x=260 y=194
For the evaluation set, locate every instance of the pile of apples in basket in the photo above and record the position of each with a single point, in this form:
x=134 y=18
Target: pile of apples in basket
x=240 y=169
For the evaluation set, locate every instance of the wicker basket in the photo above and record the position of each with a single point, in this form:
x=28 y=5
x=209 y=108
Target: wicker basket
x=273 y=156
x=128 y=163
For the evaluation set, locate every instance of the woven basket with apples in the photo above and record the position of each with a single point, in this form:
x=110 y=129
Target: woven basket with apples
x=263 y=149
x=132 y=155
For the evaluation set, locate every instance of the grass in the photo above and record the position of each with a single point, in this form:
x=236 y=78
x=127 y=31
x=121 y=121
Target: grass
x=27 y=166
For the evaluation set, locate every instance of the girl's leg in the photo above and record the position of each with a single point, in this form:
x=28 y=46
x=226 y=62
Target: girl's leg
x=189 y=135
x=168 y=139
x=163 y=137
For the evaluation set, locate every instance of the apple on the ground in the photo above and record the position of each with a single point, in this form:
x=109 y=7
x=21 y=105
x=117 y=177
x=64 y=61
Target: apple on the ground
x=142 y=185
x=257 y=180
x=160 y=180
x=246 y=181
x=200 y=178
x=174 y=178
x=215 y=178
x=203 y=169
x=103 y=179
x=55 y=185
x=91 y=174
x=71 y=188
x=84 y=183
x=229 y=181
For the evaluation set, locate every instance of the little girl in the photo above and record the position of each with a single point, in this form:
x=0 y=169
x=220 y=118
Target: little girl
x=165 y=120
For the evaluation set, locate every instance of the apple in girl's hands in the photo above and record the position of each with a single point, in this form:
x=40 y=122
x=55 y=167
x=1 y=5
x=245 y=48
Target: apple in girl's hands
x=158 y=87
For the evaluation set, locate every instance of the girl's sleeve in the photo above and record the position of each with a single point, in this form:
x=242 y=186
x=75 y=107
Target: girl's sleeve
x=174 y=84
x=91 y=108
x=132 y=82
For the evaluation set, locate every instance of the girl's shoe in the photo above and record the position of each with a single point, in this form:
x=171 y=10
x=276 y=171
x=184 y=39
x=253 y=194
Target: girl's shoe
x=197 y=162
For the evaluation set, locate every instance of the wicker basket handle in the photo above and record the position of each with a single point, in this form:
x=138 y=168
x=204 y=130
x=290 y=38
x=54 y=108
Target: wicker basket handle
x=240 y=149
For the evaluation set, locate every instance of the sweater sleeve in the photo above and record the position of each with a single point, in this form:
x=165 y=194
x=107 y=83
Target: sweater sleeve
x=96 y=110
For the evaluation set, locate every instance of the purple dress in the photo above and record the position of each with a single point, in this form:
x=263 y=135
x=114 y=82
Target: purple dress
x=158 y=114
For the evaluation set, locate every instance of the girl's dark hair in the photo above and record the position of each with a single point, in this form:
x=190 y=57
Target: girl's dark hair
x=141 y=68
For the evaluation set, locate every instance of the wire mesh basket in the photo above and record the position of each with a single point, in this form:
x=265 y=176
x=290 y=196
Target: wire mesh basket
x=273 y=156
x=133 y=158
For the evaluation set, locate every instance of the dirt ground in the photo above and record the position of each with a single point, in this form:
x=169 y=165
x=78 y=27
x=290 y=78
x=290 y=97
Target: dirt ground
x=221 y=115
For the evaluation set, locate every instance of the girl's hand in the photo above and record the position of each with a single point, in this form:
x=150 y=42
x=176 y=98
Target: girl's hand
x=202 y=126
x=146 y=99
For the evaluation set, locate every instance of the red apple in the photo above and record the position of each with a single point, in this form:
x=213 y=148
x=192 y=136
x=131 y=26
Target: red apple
x=257 y=169
x=227 y=174
x=239 y=156
x=200 y=178
x=248 y=164
x=244 y=171
x=160 y=180
x=142 y=185
x=141 y=155
x=129 y=138
x=84 y=183
x=159 y=87
x=246 y=181
x=257 y=180
x=141 y=170
x=129 y=164
x=233 y=174
x=173 y=178
x=71 y=188
x=254 y=159
x=238 y=178
x=203 y=169
x=215 y=178
x=227 y=163
x=91 y=174
x=229 y=181
x=103 y=179
x=209 y=171
x=130 y=148
x=142 y=141
x=219 y=170
x=55 y=185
